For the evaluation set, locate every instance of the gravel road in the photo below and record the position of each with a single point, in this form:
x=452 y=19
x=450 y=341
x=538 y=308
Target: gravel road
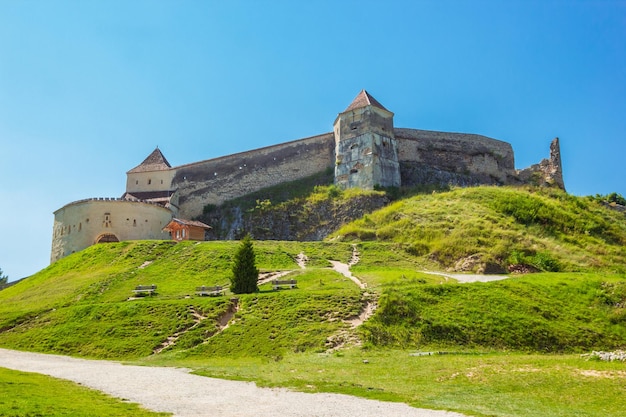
x=177 y=391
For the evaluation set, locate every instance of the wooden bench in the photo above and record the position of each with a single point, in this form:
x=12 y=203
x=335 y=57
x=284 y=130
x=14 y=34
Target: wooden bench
x=291 y=283
x=145 y=289
x=216 y=290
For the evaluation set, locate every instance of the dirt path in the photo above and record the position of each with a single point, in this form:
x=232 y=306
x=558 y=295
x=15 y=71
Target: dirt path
x=344 y=269
x=466 y=278
x=176 y=391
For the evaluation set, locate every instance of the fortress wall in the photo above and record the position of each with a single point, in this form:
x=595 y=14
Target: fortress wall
x=217 y=180
x=485 y=160
x=77 y=225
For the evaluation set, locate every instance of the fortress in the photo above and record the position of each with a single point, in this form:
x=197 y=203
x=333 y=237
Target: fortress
x=364 y=150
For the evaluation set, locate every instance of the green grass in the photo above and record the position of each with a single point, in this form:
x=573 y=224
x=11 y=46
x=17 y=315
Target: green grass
x=27 y=395
x=513 y=340
x=80 y=305
x=547 y=229
x=541 y=313
x=472 y=382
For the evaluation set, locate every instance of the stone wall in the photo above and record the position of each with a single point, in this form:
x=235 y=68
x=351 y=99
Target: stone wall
x=428 y=157
x=77 y=225
x=425 y=157
x=217 y=180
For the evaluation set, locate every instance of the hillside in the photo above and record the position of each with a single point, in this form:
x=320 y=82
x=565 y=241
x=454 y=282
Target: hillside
x=317 y=337
x=83 y=305
x=80 y=304
x=500 y=229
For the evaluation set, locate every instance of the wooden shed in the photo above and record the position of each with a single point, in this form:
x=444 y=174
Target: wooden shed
x=186 y=229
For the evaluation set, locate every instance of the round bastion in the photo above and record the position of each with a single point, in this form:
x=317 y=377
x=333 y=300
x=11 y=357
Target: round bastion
x=86 y=222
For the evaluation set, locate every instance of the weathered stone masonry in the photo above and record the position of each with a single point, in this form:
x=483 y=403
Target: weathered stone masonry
x=364 y=150
x=217 y=180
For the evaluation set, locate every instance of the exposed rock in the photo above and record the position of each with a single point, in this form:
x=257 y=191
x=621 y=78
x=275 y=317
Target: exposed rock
x=474 y=263
x=615 y=206
x=548 y=172
x=294 y=220
x=522 y=269
x=618 y=355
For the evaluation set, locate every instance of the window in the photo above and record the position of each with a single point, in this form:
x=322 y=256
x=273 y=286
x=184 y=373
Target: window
x=149 y=181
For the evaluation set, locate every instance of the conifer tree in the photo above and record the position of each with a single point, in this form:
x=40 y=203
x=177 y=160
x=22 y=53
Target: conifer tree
x=3 y=279
x=245 y=273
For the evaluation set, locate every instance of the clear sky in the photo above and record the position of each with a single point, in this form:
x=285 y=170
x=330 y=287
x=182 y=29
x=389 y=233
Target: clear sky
x=89 y=88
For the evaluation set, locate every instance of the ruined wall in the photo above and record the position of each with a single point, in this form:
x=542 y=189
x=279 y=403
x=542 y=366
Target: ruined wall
x=77 y=225
x=548 y=172
x=428 y=157
x=217 y=180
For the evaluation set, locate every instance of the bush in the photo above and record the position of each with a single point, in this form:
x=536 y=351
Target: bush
x=245 y=272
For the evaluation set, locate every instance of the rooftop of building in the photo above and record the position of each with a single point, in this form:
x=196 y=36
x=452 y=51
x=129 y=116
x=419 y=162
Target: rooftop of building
x=154 y=162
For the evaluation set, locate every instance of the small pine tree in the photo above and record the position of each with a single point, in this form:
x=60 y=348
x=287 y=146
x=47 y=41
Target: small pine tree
x=3 y=279
x=245 y=273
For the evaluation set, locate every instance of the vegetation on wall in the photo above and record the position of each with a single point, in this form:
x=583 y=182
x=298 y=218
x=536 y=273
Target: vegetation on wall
x=304 y=210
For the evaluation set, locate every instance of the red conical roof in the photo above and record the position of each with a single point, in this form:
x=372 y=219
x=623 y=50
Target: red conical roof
x=364 y=99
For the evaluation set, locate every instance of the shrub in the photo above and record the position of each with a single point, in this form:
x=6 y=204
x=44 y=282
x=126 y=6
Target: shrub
x=245 y=272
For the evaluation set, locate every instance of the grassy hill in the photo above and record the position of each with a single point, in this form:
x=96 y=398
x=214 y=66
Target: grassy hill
x=497 y=227
x=83 y=305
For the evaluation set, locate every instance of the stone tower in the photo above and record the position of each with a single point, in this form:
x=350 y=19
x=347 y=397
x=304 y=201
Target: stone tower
x=365 y=145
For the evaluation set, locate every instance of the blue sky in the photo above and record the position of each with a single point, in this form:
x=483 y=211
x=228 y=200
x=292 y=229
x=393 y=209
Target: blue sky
x=89 y=88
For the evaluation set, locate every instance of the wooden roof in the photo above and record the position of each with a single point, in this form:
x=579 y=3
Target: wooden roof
x=181 y=222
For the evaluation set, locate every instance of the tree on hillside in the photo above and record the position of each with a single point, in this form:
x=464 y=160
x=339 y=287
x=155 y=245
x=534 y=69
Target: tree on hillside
x=3 y=279
x=245 y=273
x=611 y=198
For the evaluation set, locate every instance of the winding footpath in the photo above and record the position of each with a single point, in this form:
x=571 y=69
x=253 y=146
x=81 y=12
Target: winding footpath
x=176 y=391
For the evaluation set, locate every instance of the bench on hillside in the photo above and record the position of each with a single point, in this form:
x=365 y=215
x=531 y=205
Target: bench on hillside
x=145 y=289
x=291 y=283
x=216 y=290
